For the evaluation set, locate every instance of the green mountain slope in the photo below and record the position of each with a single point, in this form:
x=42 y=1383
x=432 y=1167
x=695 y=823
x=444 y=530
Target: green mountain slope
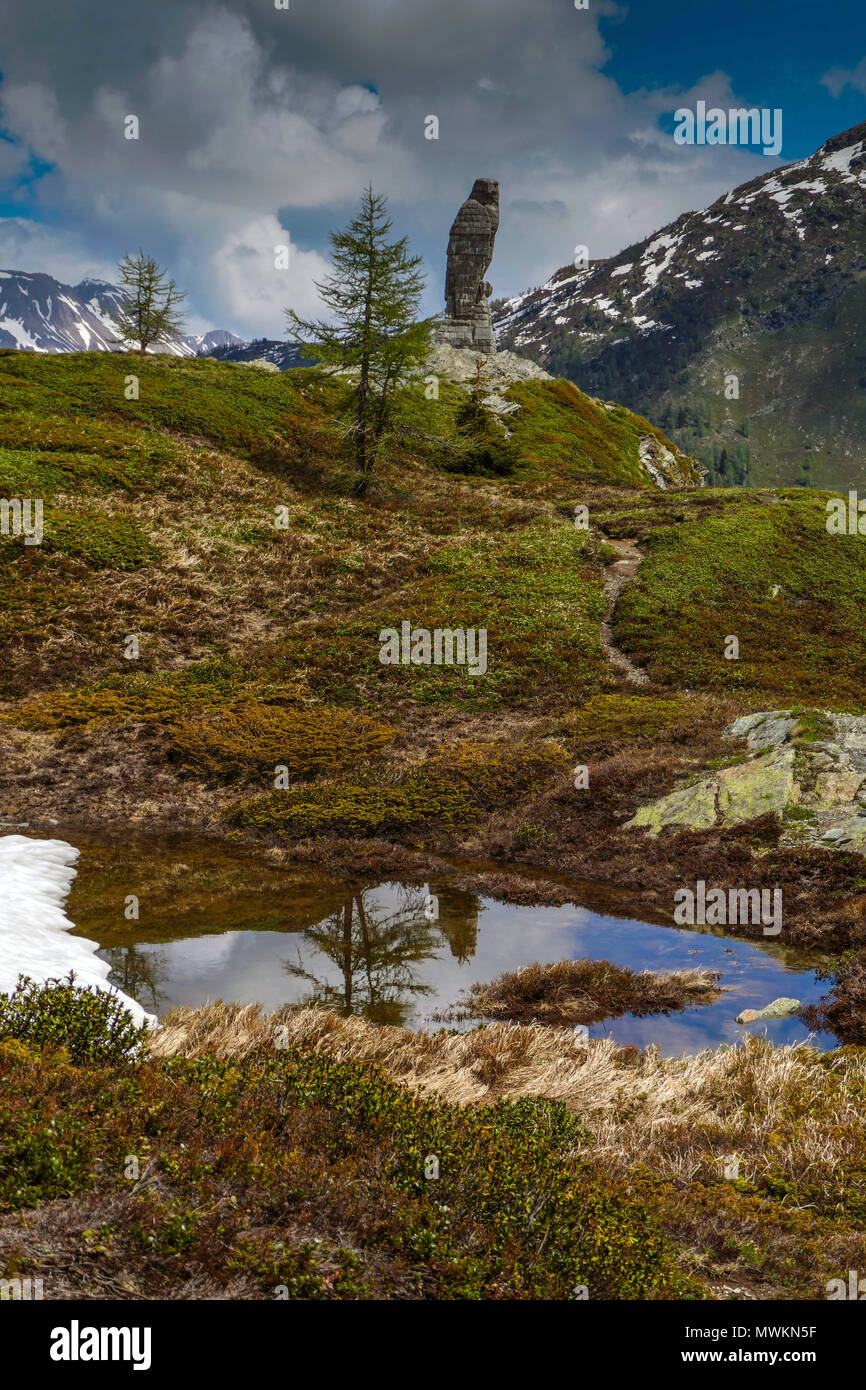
x=768 y=285
x=160 y=519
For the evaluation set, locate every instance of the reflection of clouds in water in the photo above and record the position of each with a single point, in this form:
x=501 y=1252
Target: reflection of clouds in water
x=688 y=1032
x=204 y=953
x=509 y=936
x=251 y=966
x=235 y=965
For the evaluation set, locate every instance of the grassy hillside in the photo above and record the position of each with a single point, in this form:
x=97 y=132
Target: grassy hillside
x=761 y=567
x=259 y=647
x=159 y=521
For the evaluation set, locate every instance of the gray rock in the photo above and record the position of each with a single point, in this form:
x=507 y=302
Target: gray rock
x=817 y=788
x=500 y=369
x=467 y=322
x=763 y=730
x=693 y=806
x=780 y=1008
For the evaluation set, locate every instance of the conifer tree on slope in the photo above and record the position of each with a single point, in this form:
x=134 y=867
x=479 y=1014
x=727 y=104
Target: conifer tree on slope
x=149 y=312
x=373 y=293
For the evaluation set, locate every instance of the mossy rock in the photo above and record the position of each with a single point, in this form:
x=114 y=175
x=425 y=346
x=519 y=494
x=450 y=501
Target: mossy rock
x=693 y=806
x=756 y=788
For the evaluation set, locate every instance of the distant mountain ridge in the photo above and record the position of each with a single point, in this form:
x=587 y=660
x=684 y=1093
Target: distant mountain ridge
x=739 y=330
x=280 y=354
x=41 y=314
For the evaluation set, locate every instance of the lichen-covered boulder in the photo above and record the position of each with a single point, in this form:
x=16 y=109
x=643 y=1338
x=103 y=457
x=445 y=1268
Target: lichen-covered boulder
x=753 y=789
x=763 y=730
x=693 y=806
x=780 y=1008
x=833 y=788
x=808 y=767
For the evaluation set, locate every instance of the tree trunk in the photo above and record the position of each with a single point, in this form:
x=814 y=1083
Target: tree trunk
x=361 y=425
x=347 y=955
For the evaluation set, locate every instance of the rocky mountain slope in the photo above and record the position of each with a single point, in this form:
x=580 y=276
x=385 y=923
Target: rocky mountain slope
x=767 y=285
x=279 y=354
x=41 y=314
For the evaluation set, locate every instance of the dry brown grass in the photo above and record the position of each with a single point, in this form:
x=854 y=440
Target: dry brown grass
x=785 y=1109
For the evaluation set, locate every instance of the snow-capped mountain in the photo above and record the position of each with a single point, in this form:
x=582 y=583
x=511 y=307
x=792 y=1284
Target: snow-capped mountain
x=282 y=355
x=40 y=314
x=206 y=344
x=740 y=330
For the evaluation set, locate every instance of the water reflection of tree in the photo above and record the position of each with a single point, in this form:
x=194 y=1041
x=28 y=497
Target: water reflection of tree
x=138 y=973
x=458 y=921
x=376 y=951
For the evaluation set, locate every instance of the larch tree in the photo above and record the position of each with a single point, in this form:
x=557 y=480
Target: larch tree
x=373 y=294
x=149 y=311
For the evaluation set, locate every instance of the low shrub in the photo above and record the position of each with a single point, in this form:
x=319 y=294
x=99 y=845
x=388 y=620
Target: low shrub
x=453 y=787
x=295 y=1169
x=253 y=738
x=90 y=1024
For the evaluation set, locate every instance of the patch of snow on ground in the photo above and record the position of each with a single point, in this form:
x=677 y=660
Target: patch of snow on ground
x=23 y=337
x=840 y=160
x=652 y=271
x=35 y=879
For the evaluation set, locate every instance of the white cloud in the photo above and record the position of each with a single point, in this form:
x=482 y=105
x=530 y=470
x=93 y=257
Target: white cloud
x=255 y=294
x=837 y=79
x=32 y=246
x=29 y=110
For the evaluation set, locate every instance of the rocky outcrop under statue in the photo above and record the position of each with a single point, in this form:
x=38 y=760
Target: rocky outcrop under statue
x=467 y=322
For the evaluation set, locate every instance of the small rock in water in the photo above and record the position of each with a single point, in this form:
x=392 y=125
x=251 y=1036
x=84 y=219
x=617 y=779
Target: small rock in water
x=780 y=1008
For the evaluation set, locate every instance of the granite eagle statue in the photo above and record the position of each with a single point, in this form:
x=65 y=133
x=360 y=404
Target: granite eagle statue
x=467 y=322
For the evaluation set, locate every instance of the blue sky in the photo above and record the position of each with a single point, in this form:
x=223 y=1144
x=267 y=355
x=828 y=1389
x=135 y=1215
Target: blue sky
x=776 y=53
x=259 y=128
